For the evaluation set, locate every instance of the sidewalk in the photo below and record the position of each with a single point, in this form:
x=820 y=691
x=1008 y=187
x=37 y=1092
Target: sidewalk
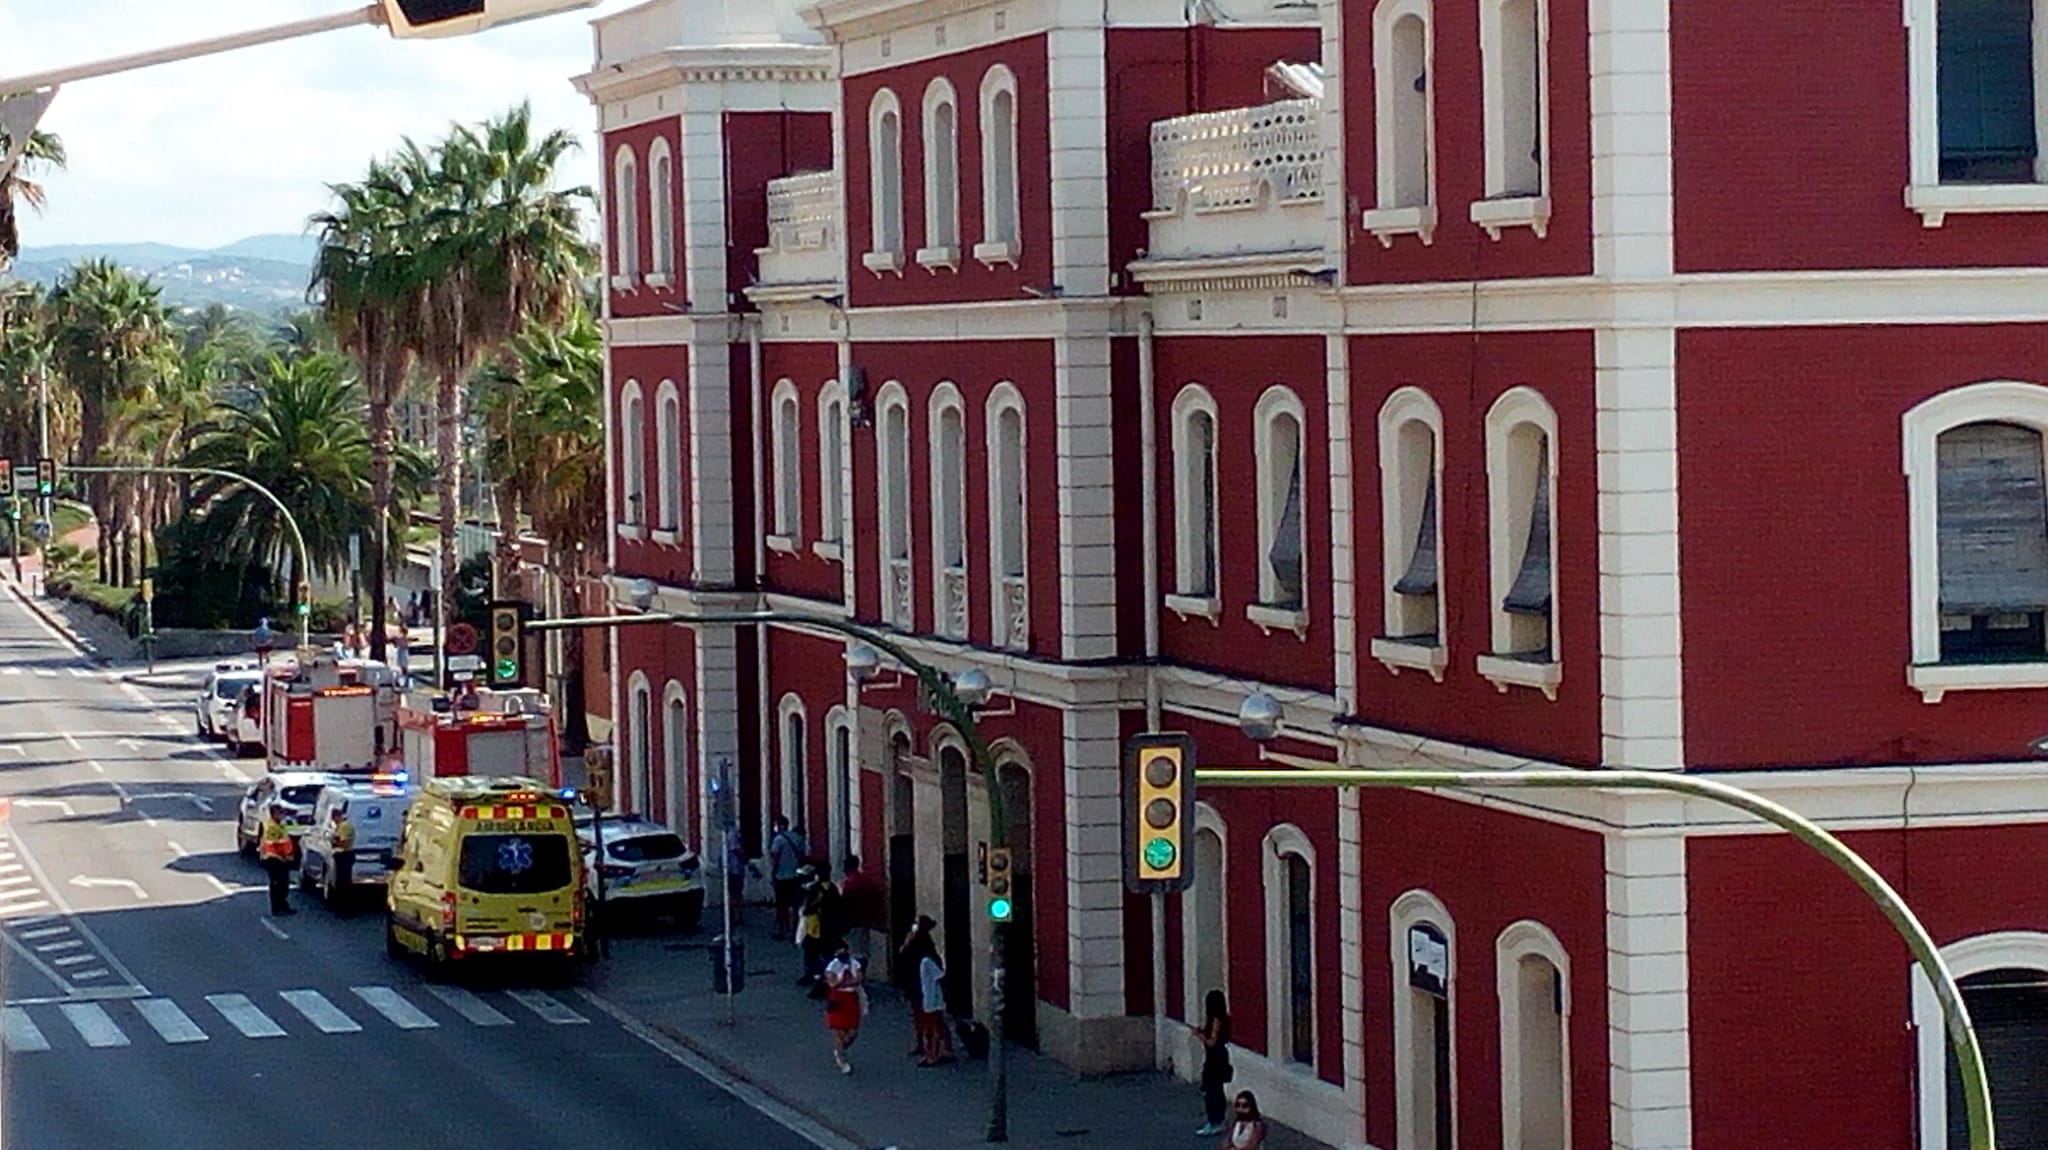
x=779 y=1045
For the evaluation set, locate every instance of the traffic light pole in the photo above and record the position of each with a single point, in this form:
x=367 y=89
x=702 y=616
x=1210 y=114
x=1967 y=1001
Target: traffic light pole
x=939 y=690
x=290 y=521
x=1962 y=1035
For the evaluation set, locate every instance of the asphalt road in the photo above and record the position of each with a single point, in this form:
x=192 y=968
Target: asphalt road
x=149 y=1001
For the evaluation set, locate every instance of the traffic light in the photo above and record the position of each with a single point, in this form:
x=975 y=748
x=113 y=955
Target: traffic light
x=7 y=477
x=46 y=476
x=414 y=18
x=1001 y=901
x=1159 y=800
x=508 y=656
x=305 y=596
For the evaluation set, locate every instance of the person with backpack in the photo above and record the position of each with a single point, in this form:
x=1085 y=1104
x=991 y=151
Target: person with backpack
x=786 y=849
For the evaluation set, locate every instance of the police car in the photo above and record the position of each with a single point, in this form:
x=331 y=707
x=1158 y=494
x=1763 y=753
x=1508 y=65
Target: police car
x=339 y=860
x=213 y=708
x=295 y=791
x=646 y=869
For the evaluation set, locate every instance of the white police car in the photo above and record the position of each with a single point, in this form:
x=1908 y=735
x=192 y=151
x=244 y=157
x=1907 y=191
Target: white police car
x=212 y=708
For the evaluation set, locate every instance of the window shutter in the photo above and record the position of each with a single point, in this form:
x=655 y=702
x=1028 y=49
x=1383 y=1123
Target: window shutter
x=1985 y=85
x=1531 y=593
x=1991 y=520
x=1420 y=578
x=1285 y=555
x=2010 y=1011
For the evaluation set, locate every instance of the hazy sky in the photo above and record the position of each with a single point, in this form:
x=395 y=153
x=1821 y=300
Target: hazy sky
x=208 y=151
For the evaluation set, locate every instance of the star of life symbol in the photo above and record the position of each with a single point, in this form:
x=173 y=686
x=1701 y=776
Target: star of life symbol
x=515 y=856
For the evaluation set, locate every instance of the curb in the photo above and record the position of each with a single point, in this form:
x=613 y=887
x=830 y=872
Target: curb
x=59 y=626
x=739 y=1073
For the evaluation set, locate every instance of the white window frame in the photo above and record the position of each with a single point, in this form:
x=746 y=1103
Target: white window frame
x=661 y=204
x=786 y=501
x=1390 y=220
x=668 y=462
x=940 y=250
x=1003 y=630
x=1517 y=407
x=2021 y=949
x=898 y=611
x=1409 y=406
x=1524 y=939
x=793 y=790
x=832 y=447
x=996 y=248
x=949 y=619
x=625 y=219
x=639 y=745
x=1192 y=400
x=1191 y=927
x=1282 y=841
x=885 y=188
x=1501 y=209
x=1925 y=193
x=1279 y=400
x=1999 y=401
x=1418 y=908
x=842 y=790
x=675 y=747
x=632 y=461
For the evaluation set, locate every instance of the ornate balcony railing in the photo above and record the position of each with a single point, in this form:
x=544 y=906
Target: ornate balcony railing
x=1013 y=625
x=804 y=230
x=1239 y=158
x=952 y=612
x=896 y=605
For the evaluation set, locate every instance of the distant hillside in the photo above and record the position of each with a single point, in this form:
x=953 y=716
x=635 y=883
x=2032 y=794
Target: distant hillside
x=264 y=274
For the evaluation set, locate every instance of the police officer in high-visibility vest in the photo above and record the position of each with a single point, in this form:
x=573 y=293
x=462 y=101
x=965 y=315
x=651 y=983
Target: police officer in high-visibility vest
x=344 y=848
x=275 y=847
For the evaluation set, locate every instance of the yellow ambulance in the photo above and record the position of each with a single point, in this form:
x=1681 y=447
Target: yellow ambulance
x=486 y=867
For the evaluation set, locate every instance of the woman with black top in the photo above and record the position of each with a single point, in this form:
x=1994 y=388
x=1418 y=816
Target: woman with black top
x=1216 y=1071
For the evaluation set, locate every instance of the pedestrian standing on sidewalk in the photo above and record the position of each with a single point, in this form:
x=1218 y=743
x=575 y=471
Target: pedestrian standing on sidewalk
x=1216 y=1068
x=846 y=1002
x=904 y=973
x=275 y=845
x=785 y=860
x=935 y=1044
x=1247 y=1126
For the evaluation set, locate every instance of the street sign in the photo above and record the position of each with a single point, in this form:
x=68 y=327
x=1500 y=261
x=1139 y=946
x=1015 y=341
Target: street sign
x=465 y=663
x=461 y=641
x=148 y=590
x=597 y=776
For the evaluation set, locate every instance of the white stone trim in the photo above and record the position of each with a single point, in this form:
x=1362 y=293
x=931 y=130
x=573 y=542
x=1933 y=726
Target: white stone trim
x=1343 y=545
x=1192 y=400
x=2014 y=949
x=1390 y=215
x=786 y=498
x=1206 y=819
x=1504 y=206
x=945 y=399
x=1399 y=527
x=661 y=212
x=633 y=462
x=885 y=210
x=1077 y=103
x=1925 y=193
x=892 y=397
x=2004 y=401
x=1522 y=939
x=1649 y=1049
x=1630 y=47
x=1002 y=398
x=1091 y=759
x=675 y=762
x=1280 y=842
x=1083 y=432
x=1351 y=956
x=1636 y=425
x=842 y=785
x=1274 y=402
x=625 y=215
x=668 y=451
x=994 y=245
x=1517 y=407
x=833 y=452
x=795 y=779
x=1411 y=909
x=639 y=745
x=942 y=243
x=1396 y=656
x=718 y=716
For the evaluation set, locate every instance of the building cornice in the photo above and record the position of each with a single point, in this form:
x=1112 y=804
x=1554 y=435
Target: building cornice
x=1265 y=271
x=673 y=68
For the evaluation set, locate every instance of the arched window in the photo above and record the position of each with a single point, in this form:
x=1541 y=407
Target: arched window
x=795 y=758
x=633 y=457
x=1521 y=488
x=1000 y=237
x=1194 y=494
x=949 y=511
x=1425 y=1023
x=885 y=183
x=639 y=732
x=1512 y=35
x=788 y=457
x=668 y=439
x=893 y=444
x=1278 y=423
x=1290 y=867
x=2004 y=980
x=1411 y=523
x=831 y=463
x=842 y=787
x=941 y=177
x=675 y=744
x=626 y=215
x=1009 y=587
x=1205 y=916
x=1532 y=977
x=1404 y=129
x=662 y=194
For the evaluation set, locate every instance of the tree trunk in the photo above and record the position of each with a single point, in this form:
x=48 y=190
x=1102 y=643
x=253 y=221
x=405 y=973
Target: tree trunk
x=380 y=499
x=507 y=578
x=448 y=445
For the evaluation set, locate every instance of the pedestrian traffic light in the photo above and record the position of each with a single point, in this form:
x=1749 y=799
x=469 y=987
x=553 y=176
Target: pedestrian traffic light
x=1159 y=799
x=508 y=662
x=46 y=476
x=1001 y=901
x=412 y=18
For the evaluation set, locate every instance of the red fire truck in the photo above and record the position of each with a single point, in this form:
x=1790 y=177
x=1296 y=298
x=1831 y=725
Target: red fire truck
x=478 y=732
x=323 y=713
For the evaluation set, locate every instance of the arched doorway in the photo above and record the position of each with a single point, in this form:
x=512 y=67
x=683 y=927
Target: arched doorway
x=958 y=910
x=902 y=843
x=1020 y=940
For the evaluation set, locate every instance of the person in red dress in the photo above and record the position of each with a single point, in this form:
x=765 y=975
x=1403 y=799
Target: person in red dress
x=846 y=1000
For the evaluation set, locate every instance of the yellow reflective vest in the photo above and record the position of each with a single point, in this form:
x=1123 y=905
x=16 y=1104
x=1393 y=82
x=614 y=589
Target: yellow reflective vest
x=276 y=842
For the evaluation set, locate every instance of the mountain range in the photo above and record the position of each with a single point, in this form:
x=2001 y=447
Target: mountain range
x=265 y=274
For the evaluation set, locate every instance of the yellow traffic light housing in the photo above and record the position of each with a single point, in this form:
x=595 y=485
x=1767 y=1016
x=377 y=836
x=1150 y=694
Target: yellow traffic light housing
x=1159 y=816
x=46 y=476
x=508 y=646
x=1002 y=898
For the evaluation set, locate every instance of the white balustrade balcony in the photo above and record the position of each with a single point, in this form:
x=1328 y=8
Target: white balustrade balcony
x=952 y=612
x=806 y=233
x=897 y=610
x=1240 y=182
x=1013 y=618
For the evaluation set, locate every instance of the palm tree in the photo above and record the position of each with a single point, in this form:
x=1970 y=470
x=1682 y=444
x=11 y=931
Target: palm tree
x=44 y=151
x=25 y=358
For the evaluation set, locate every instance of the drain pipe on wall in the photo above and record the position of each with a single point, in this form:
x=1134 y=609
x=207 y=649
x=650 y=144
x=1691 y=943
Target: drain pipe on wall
x=1148 y=502
x=763 y=705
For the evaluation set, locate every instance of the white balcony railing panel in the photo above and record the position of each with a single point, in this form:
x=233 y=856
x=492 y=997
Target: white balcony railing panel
x=1239 y=181
x=897 y=608
x=952 y=613
x=805 y=232
x=1013 y=623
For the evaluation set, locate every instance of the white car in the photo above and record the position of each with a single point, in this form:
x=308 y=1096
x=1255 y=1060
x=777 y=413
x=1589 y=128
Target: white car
x=244 y=725
x=297 y=791
x=211 y=709
x=646 y=870
x=376 y=813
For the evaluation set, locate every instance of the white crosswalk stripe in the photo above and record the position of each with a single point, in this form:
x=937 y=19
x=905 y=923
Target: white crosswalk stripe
x=45 y=673
x=173 y=1024
x=20 y=1031
x=320 y=1012
x=93 y=1024
x=547 y=1007
x=393 y=1006
x=10 y=671
x=468 y=1005
x=79 y=672
x=244 y=1016
x=23 y=908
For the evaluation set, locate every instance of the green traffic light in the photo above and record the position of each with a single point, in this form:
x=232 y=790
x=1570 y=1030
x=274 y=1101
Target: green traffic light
x=999 y=908
x=507 y=669
x=305 y=608
x=1159 y=853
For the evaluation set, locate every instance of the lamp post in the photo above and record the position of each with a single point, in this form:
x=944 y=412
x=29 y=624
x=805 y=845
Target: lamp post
x=955 y=698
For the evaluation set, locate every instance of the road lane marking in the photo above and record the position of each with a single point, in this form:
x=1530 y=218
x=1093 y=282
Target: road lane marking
x=21 y=1033
x=10 y=671
x=79 y=672
x=273 y=928
x=57 y=804
x=71 y=740
x=244 y=1016
x=93 y=973
x=547 y=1007
x=72 y=959
x=20 y=892
x=468 y=1005
x=45 y=932
x=67 y=944
x=16 y=879
x=170 y=1023
x=320 y=1012
x=393 y=1006
x=45 y=673
x=9 y=867
x=21 y=906
x=87 y=882
x=93 y=1024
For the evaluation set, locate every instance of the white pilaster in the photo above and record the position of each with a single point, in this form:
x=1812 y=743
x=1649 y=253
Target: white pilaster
x=1648 y=1041
x=1351 y=938
x=1078 y=105
x=713 y=533
x=1087 y=498
x=1343 y=537
x=716 y=710
x=703 y=163
x=1092 y=753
